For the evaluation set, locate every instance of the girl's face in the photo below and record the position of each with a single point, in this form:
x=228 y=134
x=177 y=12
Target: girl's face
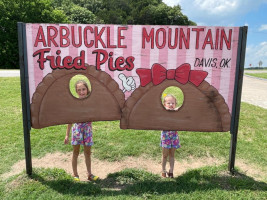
x=170 y=103
x=81 y=90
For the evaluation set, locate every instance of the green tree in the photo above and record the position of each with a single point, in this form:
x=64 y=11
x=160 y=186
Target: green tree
x=260 y=63
x=115 y=11
x=92 y=5
x=145 y=12
x=79 y=11
x=81 y=15
x=28 y=11
x=141 y=12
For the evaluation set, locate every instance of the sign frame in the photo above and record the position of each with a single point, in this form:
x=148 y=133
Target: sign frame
x=26 y=96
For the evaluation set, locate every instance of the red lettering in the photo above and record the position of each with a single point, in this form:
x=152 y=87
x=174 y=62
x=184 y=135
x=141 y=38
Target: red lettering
x=148 y=38
x=185 y=40
x=217 y=38
x=67 y=61
x=208 y=40
x=78 y=62
x=52 y=62
x=108 y=39
x=224 y=38
x=40 y=37
x=41 y=59
x=100 y=61
x=98 y=37
x=119 y=61
x=51 y=37
x=170 y=38
x=130 y=64
x=163 y=38
x=64 y=37
x=120 y=37
x=110 y=62
x=197 y=35
x=79 y=36
x=102 y=56
x=58 y=58
x=88 y=45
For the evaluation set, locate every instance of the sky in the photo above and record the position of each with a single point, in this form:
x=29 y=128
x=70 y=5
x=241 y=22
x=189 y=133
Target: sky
x=251 y=13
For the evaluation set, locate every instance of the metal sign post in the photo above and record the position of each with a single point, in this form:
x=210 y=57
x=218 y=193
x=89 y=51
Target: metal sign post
x=25 y=95
x=237 y=96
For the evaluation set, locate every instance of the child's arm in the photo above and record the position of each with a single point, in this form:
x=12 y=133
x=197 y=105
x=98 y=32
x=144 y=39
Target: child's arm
x=177 y=108
x=66 y=140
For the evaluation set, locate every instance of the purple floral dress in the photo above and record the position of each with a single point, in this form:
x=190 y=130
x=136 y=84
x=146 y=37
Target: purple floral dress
x=170 y=139
x=82 y=134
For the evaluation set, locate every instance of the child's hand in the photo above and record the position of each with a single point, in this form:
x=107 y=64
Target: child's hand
x=66 y=140
x=177 y=108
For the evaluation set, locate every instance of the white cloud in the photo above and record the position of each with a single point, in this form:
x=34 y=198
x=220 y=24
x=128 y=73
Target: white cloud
x=263 y=27
x=171 y=2
x=215 y=7
x=228 y=13
x=255 y=54
x=219 y=12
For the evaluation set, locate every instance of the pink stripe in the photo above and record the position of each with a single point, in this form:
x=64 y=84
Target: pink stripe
x=199 y=53
x=233 y=68
x=145 y=52
x=163 y=52
x=181 y=53
x=189 y=53
x=38 y=74
x=113 y=34
x=127 y=52
x=136 y=52
x=30 y=60
x=216 y=72
x=54 y=49
x=208 y=60
x=90 y=56
x=73 y=51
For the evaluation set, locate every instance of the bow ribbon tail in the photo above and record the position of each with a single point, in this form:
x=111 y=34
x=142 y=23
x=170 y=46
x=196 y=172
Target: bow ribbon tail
x=197 y=76
x=145 y=76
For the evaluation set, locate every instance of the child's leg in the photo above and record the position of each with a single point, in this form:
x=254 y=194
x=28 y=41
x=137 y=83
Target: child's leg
x=87 y=155
x=165 y=153
x=75 y=154
x=171 y=159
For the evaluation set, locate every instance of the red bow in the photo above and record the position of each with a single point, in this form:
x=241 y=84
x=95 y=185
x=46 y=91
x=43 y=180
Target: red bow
x=182 y=74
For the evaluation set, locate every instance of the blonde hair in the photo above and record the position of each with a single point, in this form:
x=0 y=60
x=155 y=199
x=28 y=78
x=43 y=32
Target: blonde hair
x=170 y=95
x=84 y=83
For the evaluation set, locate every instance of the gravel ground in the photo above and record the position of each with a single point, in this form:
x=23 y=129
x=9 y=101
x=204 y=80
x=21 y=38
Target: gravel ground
x=254 y=91
x=9 y=73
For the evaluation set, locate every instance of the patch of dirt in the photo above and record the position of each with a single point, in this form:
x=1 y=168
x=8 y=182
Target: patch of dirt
x=252 y=170
x=102 y=168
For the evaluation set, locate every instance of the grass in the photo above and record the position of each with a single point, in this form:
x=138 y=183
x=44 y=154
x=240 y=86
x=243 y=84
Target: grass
x=204 y=183
x=259 y=75
x=112 y=143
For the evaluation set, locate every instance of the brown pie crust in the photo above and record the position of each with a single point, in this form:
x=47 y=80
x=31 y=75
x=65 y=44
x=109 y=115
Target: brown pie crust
x=203 y=109
x=53 y=103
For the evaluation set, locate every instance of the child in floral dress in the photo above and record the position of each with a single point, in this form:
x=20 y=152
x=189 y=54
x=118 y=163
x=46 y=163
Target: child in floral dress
x=81 y=135
x=169 y=140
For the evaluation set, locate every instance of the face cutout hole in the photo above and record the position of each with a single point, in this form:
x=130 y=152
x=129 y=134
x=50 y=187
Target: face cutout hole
x=172 y=98
x=80 y=86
